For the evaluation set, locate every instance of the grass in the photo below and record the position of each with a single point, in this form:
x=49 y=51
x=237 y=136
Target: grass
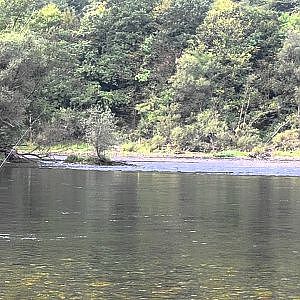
x=136 y=149
x=82 y=151
x=145 y=148
x=287 y=154
x=66 y=149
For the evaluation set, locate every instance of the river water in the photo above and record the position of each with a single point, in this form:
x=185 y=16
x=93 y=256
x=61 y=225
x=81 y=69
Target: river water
x=84 y=234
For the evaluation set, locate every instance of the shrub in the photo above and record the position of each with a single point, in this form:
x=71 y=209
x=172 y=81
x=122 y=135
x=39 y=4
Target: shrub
x=207 y=132
x=157 y=142
x=129 y=147
x=73 y=159
x=101 y=131
x=287 y=140
x=246 y=138
x=178 y=137
x=247 y=142
x=65 y=126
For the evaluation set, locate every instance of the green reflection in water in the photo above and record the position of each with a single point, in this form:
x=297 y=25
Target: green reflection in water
x=94 y=235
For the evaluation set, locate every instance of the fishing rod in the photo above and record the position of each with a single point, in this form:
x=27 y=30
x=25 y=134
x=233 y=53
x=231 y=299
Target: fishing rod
x=19 y=141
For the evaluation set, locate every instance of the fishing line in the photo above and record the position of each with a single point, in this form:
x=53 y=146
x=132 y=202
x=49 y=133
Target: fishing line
x=19 y=141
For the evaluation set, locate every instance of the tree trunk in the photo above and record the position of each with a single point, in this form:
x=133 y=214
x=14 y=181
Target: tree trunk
x=12 y=155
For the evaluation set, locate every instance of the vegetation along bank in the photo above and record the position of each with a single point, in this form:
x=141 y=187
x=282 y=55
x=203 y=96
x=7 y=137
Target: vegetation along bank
x=152 y=75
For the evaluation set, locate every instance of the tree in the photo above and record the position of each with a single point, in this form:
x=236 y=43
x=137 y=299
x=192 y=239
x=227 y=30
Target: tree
x=234 y=42
x=163 y=67
x=63 y=83
x=100 y=130
x=288 y=66
x=110 y=53
x=65 y=126
x=176 y=22
x=23 y=68
x=15 y=15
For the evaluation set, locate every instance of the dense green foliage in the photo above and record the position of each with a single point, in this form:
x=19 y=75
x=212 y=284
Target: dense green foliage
x=195 y=75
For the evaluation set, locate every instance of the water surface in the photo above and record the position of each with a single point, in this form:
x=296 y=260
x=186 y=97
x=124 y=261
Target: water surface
x=74 y=234
x=231 y=166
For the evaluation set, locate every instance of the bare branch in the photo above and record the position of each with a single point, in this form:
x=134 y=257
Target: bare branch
x=7 y=123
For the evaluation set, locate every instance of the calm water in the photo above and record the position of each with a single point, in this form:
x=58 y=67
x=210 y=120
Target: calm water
x=71 y=234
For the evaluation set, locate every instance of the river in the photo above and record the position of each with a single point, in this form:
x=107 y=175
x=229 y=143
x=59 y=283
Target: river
x=86 y=234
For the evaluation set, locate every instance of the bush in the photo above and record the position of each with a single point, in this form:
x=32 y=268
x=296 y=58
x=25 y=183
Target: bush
x=144 y=146
x=178 y=137
x=73 y=159
x=157 y=142
x=66 y=125
x=246 y=138
x=288 y=140
x=129 y=147
x=208 y=132
x=98 y=161
x=261 y=152
x=247 y=142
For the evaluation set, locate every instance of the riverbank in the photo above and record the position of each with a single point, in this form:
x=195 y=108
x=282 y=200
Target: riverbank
x=83 y=150
x=197 y=165
x=226 y=162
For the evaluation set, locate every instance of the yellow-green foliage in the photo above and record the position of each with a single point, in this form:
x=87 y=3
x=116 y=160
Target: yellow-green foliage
x=157 y=143
x=162 y=6
x=288 y=154
x=71 y=149
x=207 y=132
x=48 y=16
x=246 y=138
x=287 y=140
x=290 y=21
x=143 y=147
x=223 y=5
x=128 y=147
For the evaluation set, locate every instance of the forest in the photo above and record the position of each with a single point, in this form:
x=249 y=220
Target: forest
x=187 y=75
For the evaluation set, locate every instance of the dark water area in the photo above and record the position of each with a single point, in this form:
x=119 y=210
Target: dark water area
x=78 y=234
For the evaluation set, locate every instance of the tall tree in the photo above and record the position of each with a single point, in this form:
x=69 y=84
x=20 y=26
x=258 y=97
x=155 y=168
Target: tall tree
x=112 y=33
x=23 y=67
x=233 y=44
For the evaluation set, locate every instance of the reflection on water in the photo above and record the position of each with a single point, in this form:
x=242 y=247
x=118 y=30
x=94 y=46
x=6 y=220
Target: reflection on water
x=68 y=234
